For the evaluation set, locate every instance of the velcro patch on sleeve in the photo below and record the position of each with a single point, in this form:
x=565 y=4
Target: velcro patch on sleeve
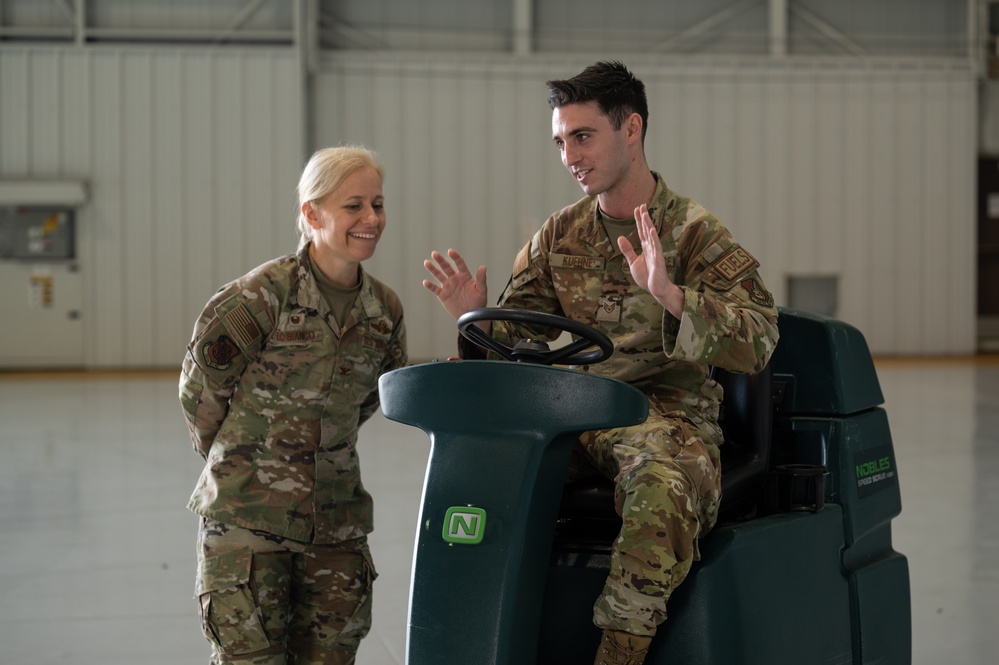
x=734 y=263
x=523 y=268
x=757 y=293
x=242 y=326
x=218 y=353
x=523 y=260
x=713 y=252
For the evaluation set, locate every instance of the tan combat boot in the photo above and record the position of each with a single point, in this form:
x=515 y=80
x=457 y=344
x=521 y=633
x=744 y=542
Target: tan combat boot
x=620 y=648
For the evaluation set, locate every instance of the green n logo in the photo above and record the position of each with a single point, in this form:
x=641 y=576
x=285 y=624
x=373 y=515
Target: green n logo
x=464 y=525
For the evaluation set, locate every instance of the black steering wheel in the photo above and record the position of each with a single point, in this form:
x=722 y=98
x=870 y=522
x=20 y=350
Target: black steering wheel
x=533 y=350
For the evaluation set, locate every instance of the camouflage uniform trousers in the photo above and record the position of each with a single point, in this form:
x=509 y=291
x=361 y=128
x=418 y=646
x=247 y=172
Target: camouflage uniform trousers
x=667 y=476
x=268 y=600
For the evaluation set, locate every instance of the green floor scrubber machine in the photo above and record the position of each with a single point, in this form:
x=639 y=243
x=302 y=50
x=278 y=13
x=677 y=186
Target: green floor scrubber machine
x=509 y=559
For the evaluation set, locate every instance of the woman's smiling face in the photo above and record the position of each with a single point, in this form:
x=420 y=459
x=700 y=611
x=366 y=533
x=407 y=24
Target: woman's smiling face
x=349 y=222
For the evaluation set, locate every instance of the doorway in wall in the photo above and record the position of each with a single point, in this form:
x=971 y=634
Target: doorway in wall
x=988 y=254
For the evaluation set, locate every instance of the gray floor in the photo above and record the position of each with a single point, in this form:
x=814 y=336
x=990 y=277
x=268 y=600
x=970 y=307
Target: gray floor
x=97 y=549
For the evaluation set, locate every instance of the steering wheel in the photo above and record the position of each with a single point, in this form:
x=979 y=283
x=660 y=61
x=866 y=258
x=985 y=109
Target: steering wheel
x=533 y=350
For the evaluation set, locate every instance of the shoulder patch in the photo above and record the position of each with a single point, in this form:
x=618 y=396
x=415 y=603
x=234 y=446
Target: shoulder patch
x=757 y=293
x=242 y=325
x=523 y=260
x=713 y=252
x=734 y=262
x=218 y=353
x=523 y=267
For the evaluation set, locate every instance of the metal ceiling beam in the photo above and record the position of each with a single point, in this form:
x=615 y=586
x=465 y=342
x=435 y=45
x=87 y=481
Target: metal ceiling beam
x=826 y=30
x=777 y=11
x=701 y=29
x=78 y=30
x=244 y=14
x=523 y=26
x=347 y=32
x=65 y=9
x=80 y=19
x=306 y=43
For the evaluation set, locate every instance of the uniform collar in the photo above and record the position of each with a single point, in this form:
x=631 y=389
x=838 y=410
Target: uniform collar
x=306 y=290
x=592 y=231
x=308 y=295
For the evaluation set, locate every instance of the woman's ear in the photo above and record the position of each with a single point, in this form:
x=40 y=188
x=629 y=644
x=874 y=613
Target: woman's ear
x=310 y=214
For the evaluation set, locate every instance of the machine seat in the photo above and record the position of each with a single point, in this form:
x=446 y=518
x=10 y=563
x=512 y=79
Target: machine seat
x=587 y=519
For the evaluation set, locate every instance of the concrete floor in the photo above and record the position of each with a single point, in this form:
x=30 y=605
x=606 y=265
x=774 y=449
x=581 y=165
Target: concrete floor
x=98 y=550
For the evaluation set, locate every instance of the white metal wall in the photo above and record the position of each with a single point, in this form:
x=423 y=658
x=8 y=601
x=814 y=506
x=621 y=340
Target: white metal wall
x=862 y=172
x=192 y=158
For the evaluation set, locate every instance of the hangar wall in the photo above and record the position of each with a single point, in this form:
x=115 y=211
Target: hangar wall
x=863 y=170
x=191 y=159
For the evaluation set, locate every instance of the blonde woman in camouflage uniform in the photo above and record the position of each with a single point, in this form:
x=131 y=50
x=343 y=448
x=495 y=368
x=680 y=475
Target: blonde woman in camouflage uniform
x=691 y=299
x=281 y=372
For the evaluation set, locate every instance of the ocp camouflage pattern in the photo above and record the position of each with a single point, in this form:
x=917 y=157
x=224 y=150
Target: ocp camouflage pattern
x=666 y=470
x=249 y=612
x=570 y=266
x=274 y=391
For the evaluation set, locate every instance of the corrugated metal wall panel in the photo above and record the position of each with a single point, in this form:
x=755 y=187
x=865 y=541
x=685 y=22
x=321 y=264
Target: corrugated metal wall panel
x=959 y=187
x=832 y=167
x=200 y=276
x=166 y=206
x=880 y=290
x=910 y=148
x=856 y=192
x=14 y=104
x=750 y=204
x=410 y=204
x=137 y=232
x=191 y=156
x=45 y=104
x=802 y=215
x=936 y=214
x=104 y=312
x=819 y=170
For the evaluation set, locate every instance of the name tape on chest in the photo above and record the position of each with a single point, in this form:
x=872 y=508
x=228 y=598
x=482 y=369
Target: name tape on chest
x=294 y=336
x=294 y=328
x=577 y=262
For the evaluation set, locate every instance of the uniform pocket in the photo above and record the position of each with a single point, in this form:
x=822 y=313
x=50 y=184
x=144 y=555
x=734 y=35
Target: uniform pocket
x=360 y=619
x=340 y=598
x=230 y=617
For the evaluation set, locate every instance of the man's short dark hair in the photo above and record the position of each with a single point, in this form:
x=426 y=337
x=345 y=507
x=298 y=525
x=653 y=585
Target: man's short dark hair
x=615 y=90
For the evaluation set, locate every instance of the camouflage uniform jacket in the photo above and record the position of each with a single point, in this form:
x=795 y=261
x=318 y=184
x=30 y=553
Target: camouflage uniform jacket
x=571 y=267
x=274 y=392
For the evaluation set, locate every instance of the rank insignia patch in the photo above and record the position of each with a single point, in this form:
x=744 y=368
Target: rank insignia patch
x=219 y=353
x=610 y=308
x=757 y=293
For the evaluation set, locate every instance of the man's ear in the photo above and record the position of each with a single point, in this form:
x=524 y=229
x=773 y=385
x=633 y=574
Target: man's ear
x=633 y=123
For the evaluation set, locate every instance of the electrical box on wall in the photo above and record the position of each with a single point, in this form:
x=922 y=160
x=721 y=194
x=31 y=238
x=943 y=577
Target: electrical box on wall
x=41 y=303
x=37 y=234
